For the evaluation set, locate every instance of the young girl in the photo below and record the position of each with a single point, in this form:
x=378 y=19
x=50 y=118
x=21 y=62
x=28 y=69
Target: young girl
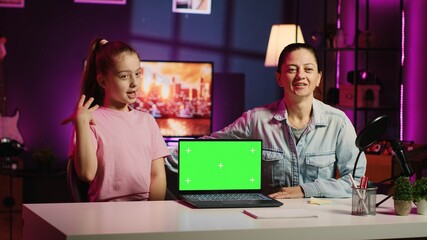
x=118 y=150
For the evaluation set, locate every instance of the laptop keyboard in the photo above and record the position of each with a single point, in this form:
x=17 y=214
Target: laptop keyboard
x=225 y=197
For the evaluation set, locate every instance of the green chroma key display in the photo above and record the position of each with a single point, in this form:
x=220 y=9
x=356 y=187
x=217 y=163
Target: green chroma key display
x=219 y=165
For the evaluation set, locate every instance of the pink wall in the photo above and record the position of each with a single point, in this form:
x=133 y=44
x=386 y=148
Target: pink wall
x=414 y=72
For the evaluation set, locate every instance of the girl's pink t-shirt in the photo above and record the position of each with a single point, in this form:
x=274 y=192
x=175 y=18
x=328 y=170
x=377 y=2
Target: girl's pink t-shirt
x=126 y=144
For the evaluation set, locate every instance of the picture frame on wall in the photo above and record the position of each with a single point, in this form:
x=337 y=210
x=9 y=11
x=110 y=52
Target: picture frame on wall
x=192 y=6
x=117 y=2
x=12 y=3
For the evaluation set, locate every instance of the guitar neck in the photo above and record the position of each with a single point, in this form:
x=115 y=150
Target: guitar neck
x=3 y=53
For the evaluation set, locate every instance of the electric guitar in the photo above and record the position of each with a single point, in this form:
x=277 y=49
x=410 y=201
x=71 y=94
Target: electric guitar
x=9 y=132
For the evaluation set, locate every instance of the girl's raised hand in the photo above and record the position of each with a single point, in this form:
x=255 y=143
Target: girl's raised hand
x=83 y=114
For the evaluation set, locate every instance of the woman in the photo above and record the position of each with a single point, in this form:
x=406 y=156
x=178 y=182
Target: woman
x=308 y=146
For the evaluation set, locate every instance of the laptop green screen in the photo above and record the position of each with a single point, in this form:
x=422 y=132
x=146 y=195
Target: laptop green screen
x=219 y=164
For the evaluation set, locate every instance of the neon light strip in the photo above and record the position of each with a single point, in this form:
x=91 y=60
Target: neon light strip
x=401 y=113
x=337 y=73
x=402 y=59
x=402 y=63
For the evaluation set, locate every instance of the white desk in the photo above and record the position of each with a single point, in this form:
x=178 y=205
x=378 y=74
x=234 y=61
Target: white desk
x=172 y=220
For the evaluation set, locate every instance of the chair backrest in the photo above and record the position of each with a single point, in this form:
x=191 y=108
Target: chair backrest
x=77 y=188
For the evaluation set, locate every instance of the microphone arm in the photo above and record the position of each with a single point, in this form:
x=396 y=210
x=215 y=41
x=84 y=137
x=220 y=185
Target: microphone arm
x=406 y=169
x=385 y=199
x=386 y=180
x=389 y=196
x=398 y=150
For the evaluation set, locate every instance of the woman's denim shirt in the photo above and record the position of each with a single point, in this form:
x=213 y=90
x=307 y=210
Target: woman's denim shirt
x=320 y=162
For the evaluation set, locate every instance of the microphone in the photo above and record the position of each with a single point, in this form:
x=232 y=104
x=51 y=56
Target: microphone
x=401 y=157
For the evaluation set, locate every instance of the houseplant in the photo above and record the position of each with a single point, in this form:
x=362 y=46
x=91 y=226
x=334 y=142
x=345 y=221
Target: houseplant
x=403 y=196
x=420 y=195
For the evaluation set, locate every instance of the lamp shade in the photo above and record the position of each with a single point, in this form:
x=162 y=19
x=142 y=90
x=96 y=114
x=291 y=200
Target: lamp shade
x=280 y=36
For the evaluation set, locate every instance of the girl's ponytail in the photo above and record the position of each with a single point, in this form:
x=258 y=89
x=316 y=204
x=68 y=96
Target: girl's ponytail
x=90 y=86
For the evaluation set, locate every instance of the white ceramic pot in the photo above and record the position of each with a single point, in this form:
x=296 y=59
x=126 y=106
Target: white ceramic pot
x=422 y=207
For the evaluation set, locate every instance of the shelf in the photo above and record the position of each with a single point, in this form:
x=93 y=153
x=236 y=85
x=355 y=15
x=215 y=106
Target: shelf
x=378 y=54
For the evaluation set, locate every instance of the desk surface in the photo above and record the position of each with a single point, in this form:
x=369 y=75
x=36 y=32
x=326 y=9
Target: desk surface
x=172 y=220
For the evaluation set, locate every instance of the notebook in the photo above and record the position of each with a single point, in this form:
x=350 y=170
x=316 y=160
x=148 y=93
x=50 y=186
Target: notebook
x=218 y=173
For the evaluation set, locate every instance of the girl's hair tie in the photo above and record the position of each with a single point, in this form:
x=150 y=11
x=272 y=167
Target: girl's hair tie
x=103 y=41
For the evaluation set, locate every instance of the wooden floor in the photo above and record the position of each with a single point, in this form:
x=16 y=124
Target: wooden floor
x=16 y=225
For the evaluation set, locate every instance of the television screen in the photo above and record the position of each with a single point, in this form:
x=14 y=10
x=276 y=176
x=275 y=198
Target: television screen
x=178 y=95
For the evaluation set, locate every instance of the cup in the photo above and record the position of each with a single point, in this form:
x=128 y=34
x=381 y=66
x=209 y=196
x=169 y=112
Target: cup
x=364 y=201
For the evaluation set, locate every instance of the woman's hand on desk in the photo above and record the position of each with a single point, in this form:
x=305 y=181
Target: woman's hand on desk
x=288 y=192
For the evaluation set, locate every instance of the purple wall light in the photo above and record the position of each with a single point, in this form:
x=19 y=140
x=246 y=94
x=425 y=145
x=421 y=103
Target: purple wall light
x=414 y=109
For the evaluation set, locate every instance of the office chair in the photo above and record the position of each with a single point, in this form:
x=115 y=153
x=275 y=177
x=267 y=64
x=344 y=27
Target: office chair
x=172 y=185
x=77 y=188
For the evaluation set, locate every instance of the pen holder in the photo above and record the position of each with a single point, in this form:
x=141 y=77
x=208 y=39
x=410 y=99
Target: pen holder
x=364 y=201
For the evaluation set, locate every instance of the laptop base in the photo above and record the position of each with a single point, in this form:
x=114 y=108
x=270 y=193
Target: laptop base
x=233 y=204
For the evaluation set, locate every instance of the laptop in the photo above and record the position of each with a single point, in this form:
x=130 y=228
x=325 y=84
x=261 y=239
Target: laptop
x=221 y=173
